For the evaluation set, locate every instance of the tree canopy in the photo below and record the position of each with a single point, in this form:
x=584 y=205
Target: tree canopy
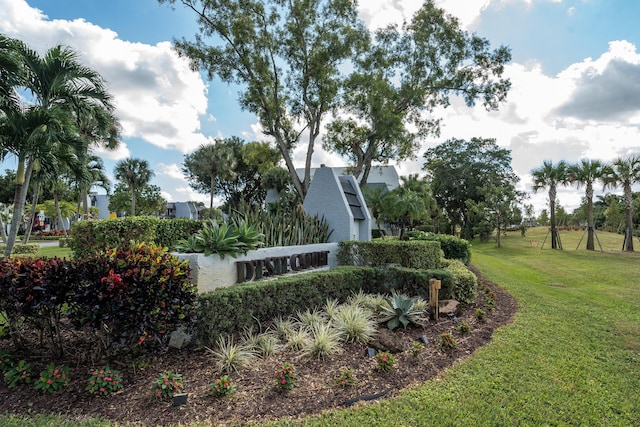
x=401 y=76
x=476 y=171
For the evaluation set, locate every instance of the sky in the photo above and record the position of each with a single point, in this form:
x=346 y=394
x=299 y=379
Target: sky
x=575 y=75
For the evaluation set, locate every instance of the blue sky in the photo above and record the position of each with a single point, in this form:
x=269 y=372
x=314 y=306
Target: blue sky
x=575 y=74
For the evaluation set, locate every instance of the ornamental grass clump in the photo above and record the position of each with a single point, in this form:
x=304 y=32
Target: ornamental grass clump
x=229 y=356
x=354 y=323
x=325 y=342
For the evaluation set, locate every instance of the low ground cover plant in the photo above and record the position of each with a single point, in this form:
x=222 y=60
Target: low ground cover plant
x=167 y=385
x=53 y=378
x=104 y=381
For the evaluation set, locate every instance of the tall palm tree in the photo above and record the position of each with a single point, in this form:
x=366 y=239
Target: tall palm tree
x=93 y=175
x=135 y=173
x=59 y=88
x=208 y=163
x=550 y=175
x=626 y=172
x=587 y=172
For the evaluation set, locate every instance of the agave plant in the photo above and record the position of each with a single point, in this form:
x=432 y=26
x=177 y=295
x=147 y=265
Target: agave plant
x=399 y=310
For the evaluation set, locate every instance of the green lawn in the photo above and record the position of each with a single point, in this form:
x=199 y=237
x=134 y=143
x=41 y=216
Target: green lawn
x=571 y=357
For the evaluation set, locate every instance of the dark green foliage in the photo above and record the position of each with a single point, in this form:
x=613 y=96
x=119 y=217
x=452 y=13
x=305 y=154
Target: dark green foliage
x=465 y=283
x=94 y=236
x=453 y=247
x=411 y=281
x=223 y=239
x=284 y=225
x=232 y=309
x=413 y=254
x=170 y=231
x=126 y=297
x=136 y=294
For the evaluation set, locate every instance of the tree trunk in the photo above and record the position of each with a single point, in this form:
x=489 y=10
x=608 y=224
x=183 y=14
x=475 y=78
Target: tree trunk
x=552 y=208
x=628 y=233
x=22 y=183
x=133 y=201
x=3 y=230
x=56 y=201
x=591 y=246
x=36 y=194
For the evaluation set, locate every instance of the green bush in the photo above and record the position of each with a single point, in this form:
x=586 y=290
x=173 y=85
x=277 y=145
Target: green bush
x=424 y=255
x=230 y=310
x=465 y=283
x=95 y=236
x=452 y=246
x=64 y=242
x=170 y=231
x=411 y=281
x=20 y=249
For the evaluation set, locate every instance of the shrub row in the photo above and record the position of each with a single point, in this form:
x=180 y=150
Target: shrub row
x=453 y=247
x=127 y=298
x=231 y=310
x=20 y=249
x=94 y=236
x=424 y=255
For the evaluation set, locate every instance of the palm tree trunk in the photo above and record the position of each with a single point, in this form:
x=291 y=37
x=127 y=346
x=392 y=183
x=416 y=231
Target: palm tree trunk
x=591 y=245
x=3 y=230
x=133 y=201
x=628 y=232
x=22 y=183
x=60 y=221
x=36 y=194
x=552 y=208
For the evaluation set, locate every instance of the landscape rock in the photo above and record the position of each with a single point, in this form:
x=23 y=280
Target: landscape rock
x=386 y=340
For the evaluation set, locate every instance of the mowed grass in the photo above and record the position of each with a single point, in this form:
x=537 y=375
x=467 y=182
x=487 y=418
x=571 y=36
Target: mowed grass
x=571 y=356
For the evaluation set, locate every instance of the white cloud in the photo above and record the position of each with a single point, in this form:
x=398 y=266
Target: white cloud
x=172 y=170
x=158 y=98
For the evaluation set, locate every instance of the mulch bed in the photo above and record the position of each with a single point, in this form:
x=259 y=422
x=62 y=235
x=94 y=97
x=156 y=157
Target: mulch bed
x=256 y=398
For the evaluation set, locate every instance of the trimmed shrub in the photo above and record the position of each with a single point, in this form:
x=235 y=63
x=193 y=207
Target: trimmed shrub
x=452 y=246
x=20 y=249
x=465 y=283
x=138 y=294
x=411 y=281
x=424 y=255
x=171 y=231
x=88 y=237
x=230 y=310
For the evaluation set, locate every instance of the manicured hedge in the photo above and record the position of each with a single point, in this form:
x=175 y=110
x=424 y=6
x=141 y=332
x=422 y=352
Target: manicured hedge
x=230 y=310
x=171 y=231
x=465 y=283
x=20 y=249
x=425 y=255
x=95 y=236
x=453 y=247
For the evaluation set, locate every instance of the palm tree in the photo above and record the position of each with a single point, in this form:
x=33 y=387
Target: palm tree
x=587 y=172
x=208 y=163
x=551 y=176
x=135 y=173
x=60 y=89
x=626 y=172
x=93 y=175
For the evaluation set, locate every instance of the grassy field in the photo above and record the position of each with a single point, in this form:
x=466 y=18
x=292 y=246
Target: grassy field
x=571 y=357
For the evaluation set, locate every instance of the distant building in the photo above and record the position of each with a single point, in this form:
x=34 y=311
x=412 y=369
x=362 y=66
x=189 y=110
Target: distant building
x=174 y=209
x=386 y=176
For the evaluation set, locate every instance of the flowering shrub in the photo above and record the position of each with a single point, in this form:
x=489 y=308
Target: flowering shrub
x=104 y=381
x=386 y=361
x=463 y=327
x=167 y=385
x=53 y=379
x=346 y=378
x=223 y=386
x=139 y=294
x=285 y=376
x=448 y=341
x=416 y=348
x=19 y=374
